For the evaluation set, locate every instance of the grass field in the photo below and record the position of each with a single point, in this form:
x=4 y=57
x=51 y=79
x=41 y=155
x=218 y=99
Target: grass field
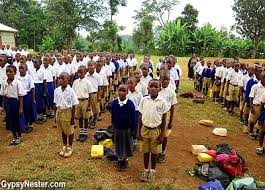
x=37 y=157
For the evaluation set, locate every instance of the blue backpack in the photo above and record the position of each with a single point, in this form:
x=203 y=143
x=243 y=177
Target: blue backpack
x=212 y=185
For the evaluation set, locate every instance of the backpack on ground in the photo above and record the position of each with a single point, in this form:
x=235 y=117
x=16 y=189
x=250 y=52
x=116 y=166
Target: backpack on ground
x=103 y=134
x=198 y=98
x=233 y=165
x=243 y=184
x=211 y=185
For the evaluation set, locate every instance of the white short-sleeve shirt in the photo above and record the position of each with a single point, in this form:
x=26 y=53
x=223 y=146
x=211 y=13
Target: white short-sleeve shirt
x=95 y=80
x=3 y=73
x=234 y=77
x=65 y=99
x=104 y=77
x=136 y=98
x=82 y=88
x=27 y=82
x=60 y=69
x=257 y=92
x=244 y=80
x=12 y=90
x=169 y=95
x=142 y=87
x=49 y=73
x=146 y=80
x=152 y=111
x=38 y=75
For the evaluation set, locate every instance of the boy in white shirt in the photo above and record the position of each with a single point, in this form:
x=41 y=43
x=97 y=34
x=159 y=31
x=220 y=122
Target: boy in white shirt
x=140 y=86
x=65 y=101
x=145 y=77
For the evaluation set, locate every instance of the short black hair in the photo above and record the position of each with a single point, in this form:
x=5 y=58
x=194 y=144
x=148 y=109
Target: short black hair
x=12 y=67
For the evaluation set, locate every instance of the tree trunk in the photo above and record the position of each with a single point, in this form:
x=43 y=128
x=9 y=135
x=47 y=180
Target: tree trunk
x=69 y=40
x=254 y=52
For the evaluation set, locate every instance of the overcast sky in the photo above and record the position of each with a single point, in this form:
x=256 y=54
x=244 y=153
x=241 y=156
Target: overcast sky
x=217 y=12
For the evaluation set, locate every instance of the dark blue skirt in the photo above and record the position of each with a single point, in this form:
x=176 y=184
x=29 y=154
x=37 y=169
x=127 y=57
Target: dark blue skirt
x=48 y=101
x=14 y=120
x=39 y=97
x=123 y=143
x=29 y=109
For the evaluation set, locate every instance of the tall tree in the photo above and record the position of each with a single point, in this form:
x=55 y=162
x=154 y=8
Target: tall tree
x=114 y=4
x=158 y=10
x=65 y=16
x=190 y=15
x=27 y=17
x=250 y=22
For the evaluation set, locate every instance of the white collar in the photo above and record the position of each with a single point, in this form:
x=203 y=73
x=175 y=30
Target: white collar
x=122 y=103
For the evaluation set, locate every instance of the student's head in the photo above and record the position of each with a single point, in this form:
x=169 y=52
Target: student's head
x=163 y=67
x=11 y=71
x=60 y=60
x=243 y=66
x=91 y=66
x=122 y=92
x=236 y=66
x=132 y=81
x=262 y=78
x=202 y=62
x=29 y=57
x=154 y=88
x=64 y=79
x=209 y=64
x=108 y=58
x=145 y=69
x=193 y=55
x=22 y=59
x=52 y=61
x=131 y=55
x=251 y=70
x=113 y=57
x=170 y=62
x=37 y=63
x=228 y=64
x=23 y=69
x=82 y=71
x=17 y=56
x=46 y=61
x=3 y=60
x=78 y=57
x=137 y=75
x=99 y=65
x=164 y=78
x=217 y=63
x=65 y=60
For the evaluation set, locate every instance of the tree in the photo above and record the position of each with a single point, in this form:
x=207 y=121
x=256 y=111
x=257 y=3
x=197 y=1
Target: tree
x=114 y=4
x=65 y=16
x=158 y=10
x=27 y=17
x=190 y=15
x=250 y=22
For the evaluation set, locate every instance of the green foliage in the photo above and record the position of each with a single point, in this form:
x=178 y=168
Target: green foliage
x=114 y=4
x=250 y=22
x=174 y=38
x=190 y=15
x=48 y=43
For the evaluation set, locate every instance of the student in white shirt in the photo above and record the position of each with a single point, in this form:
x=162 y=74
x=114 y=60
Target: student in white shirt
x=145 y=76
x=140 y=86
x=60 y=67
x=3 y=65
x=172 y=70
x=132 y=62
x=65 y=101
x=28 y=100
x=83 y=88
x=39 y=78
x=96 y=94
x=29 y=62
x=13 y=92
x=16 y=62
x=233 y=79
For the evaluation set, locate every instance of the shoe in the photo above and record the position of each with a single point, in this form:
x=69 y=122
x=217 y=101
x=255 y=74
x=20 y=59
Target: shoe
x=51 y=115
x=151 y=176
x=118 y=165
x=69 y=152
x=28 y=130
x=12 y=141
x=225 y=109
x=124 y=166
x=62 y=152
x=260 y=150
x=252 y=136
x=144 y=176
x=161 y=158
x=93 y=125
x=241 y=121
x=83 y=138
x=18 y=140
x=41 y=120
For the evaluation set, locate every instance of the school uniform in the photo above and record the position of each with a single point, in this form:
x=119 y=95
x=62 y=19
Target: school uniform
x=146 y=80
x=234 y=78
x=142 y=87
x=30 y=65
x=117 y=72
x=110 y=70
x=242 y=84
x=29 y=109
x=226 y=84
x=39 y=77
x=152 y=112
x=59 y=69
x=69 y=68
x=132 y=64
x=249 y=85
x=170 y=97
x=64 y=101
x=121 y=66
x=257 y=91
x=123 y=122
x=82 y=88
x=3 y=73
x=261 y=118
x=222 y=71
x=96 y=82
x=206 y=75
x=11 y=92
x=49 y=74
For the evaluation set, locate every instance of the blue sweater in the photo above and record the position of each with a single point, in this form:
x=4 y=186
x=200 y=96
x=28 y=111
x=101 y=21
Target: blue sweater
x=207 y=72
x=250 y=83
x=123 y=117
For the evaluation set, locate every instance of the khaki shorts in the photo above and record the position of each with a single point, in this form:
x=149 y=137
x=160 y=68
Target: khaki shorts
x=148 y=142
x=221 y=90
x=81 y=110
x=130 y=71
x=206 y=83
x=254 y=116
x=63 y=121
x=246 y=109
x=225 y=90
x=94 y=103
x=216 y=88
x=260 y=127
x=167 y=131
x=233 y=93
x=242 y=104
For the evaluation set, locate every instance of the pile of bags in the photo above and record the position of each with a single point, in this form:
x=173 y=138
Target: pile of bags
x=103 y=146
x=222 y=168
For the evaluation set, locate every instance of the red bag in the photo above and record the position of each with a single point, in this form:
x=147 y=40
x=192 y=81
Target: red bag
x=233 y=165
x=198 y=98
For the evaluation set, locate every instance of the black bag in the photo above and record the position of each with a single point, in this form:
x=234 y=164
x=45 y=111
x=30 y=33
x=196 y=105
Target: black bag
x=211 y=171
x=103 y=134
x=223 y=149
x=110 y=155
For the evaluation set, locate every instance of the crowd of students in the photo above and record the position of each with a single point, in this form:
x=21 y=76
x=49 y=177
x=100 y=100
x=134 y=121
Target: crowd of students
x=235 y=84
x=76 y=85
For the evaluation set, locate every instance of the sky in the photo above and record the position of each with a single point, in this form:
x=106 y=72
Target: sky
x=217 y=12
